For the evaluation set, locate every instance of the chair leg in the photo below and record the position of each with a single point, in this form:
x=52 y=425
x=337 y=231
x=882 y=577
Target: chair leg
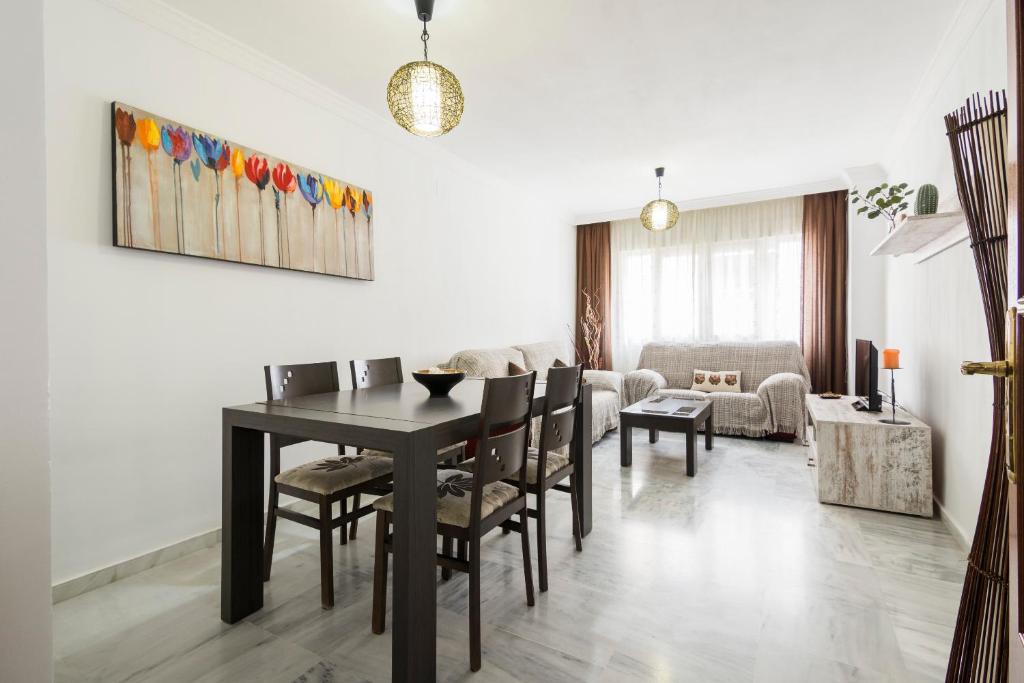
x=355 y=522
x=380 y=573
x=343 y=505
x=542 y=534
x=462 y=549
x=268 y=544
x=524 y=525
x=272 y=498
x=574 y=499
x=326 y=555
x=474 y=604
x=446 y=548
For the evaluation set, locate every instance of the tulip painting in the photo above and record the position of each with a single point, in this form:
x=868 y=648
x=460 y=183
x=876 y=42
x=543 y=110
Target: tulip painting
x=177 y=143
x=284 y=185
x=237 y=169
x=217 y=223
x=124 y=126
x=258 y=173
x=312 y=189
x=149 y=137
x=336 y=200
x=215 y=156
x=368 y=212
x=354 y=202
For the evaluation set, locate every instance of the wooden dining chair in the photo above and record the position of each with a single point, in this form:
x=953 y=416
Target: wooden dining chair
x=551 y=463
x=377 y=372
x=324 y=482
x=470 y=504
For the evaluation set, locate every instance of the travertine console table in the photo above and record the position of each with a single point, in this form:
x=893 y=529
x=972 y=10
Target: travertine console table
x=869 y=464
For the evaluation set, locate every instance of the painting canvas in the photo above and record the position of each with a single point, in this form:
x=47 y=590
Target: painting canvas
x=183 y=191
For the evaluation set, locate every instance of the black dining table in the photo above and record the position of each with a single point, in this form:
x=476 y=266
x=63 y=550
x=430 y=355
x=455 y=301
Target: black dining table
x=402 y=419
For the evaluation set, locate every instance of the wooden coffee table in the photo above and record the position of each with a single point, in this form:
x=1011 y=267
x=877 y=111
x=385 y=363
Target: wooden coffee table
x=662 y=413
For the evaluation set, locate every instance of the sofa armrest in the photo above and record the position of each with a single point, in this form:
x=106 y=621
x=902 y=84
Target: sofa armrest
x=784 y=395
x=639 y=384
x=604 y=379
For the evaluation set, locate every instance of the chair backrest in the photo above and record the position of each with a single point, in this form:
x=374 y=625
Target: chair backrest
x=505 y=416
x=292 y=381
x=561 y=397
x=376 y=372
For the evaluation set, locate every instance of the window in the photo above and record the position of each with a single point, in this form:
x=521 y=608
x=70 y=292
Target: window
x=721 y=274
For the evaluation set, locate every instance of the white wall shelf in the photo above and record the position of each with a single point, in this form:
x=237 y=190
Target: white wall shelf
x=924 y=236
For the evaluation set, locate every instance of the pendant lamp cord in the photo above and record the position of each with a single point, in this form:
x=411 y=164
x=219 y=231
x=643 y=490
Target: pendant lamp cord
x=425 y=37
x=659 y=187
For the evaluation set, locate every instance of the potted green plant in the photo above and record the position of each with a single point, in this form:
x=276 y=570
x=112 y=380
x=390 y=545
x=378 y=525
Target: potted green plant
x=885 y=200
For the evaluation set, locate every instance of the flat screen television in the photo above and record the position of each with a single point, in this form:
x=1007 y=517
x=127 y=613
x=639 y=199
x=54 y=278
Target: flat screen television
x=866 y=371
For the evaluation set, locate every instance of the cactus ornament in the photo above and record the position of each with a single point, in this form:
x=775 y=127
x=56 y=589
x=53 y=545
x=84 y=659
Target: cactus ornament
x=927 y=201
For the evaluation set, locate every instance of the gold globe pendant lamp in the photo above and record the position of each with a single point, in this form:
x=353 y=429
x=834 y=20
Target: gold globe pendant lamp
x=425 y=98
x=660 y=214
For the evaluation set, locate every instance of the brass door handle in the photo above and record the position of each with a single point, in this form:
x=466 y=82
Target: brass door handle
x=1004 y=369
x=996 y=368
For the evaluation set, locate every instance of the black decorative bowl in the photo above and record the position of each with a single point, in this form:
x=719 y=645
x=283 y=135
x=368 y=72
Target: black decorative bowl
x=439 y=383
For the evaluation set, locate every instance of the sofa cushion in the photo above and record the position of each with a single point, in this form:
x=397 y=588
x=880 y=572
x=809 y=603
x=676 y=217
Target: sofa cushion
x=487 y=362
x=542 y=355
x=713 y=380
x=756 y=361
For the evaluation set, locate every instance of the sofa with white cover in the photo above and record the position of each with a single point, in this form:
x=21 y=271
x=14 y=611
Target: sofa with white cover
x=774 y=382
x=607 y=394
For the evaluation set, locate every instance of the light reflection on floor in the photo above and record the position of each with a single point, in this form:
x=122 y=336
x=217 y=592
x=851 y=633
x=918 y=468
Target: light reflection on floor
x=737 y=574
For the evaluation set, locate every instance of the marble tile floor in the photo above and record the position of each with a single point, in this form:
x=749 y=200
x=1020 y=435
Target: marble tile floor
x=738 y=574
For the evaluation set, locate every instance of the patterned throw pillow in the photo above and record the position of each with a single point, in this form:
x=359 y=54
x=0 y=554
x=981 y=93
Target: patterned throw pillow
x=716 y=380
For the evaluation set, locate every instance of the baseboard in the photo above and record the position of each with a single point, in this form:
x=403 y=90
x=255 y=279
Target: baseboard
x=954 y=529
x=121 y=570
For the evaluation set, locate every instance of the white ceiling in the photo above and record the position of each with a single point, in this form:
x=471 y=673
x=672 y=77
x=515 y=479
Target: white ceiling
x=579 y=100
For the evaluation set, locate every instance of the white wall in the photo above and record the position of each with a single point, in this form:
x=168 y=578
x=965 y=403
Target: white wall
x=865 y=273
x=146 y=348
x=25 y=625
x=933 y=309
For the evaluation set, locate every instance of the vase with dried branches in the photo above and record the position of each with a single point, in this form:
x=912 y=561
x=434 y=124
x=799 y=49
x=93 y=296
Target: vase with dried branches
x=588 y=349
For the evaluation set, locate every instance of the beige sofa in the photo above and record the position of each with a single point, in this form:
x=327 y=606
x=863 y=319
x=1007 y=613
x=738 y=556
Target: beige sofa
x=774 y=381
x=607 y=385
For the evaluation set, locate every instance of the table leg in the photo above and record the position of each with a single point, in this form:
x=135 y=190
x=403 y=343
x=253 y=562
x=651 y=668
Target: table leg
x=414 y=611
x=652 y=435
x=709 y=431
x=691 y=450
x=583 y=450
x=625 y=444
x=241 y=564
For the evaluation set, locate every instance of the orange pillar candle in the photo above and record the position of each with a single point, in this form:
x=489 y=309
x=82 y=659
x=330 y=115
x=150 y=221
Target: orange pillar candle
x=891 y=359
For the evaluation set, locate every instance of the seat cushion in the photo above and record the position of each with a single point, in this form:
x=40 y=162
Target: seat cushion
x=334 y=474
x=454 y=493
x=554 y=462
x=442 y=454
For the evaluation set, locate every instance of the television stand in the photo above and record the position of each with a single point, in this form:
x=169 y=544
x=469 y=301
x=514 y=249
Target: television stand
x=863 y=462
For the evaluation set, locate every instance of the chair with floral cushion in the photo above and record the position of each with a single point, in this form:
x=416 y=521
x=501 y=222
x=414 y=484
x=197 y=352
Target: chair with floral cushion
x=551 y=463
x=324 y=482
x=470 y=504
x=378 y=372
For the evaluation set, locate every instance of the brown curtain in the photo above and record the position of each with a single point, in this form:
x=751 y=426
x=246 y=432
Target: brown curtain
x=823 y=308
x=594 y=274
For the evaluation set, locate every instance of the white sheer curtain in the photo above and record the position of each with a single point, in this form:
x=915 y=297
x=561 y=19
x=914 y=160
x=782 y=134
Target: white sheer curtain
x=731 y=273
